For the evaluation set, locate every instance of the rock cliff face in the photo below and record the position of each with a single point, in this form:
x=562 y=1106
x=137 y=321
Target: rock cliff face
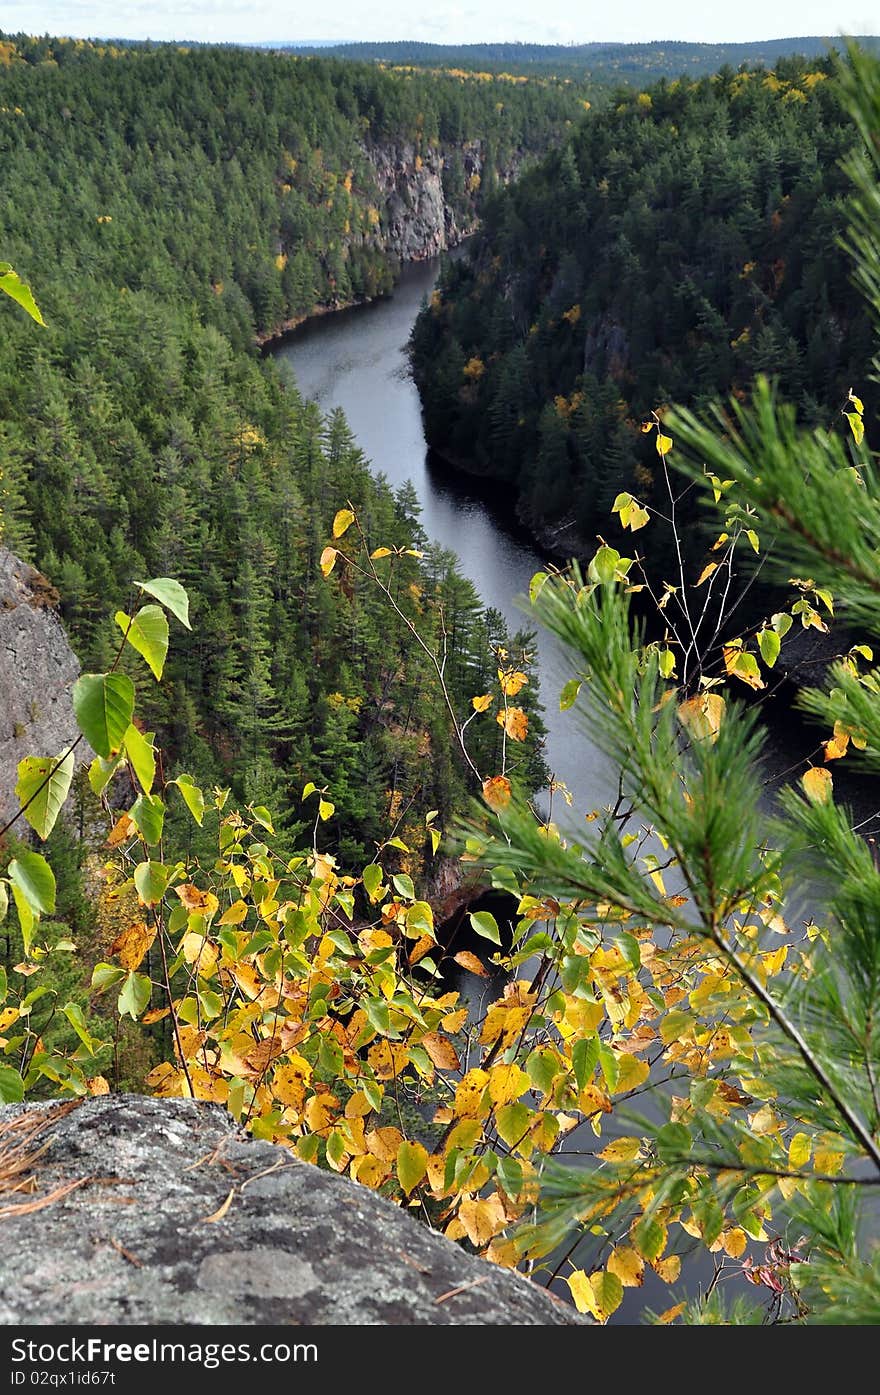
x=180 y=1219
x=419 y=218
x=37 y=670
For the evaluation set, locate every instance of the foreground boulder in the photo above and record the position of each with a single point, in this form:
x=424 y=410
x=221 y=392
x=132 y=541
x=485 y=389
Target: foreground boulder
x=181 y=1219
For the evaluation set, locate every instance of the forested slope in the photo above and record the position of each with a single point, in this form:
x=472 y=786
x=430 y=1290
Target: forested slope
x=166 y=206
x=676 y=246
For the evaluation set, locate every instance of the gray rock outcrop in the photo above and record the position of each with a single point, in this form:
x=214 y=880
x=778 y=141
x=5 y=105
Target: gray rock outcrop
x=184 y=1220
x=418 y=220
x=37 y=671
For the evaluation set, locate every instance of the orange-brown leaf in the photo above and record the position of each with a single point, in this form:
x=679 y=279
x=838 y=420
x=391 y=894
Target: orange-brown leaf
x=514 y=721
x=441 y=1051
x=470 y=962
x=497 y=792
x=132 y=944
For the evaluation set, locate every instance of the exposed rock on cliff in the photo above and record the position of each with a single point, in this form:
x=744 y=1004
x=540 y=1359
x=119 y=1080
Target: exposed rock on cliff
x=37 y=670
x=420 y=219
x=182 y=1220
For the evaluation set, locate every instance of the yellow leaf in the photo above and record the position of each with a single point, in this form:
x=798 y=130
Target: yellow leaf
x=827 y=1160
x=621 y=1150
x=200 y=952
x=328 y=560
x=592 y=1100
x=236 y=913
x=514 y=721
x=511 y=681
x=320 y=1111
x=702 y=715
x=707 y=571
x=370 y=1171
x=598 y=1294
x=482 y=1219
x=628 y=1266
x=454 y=1021
x=469 y=1094
x=384 y=1143
x=132 y=944
x=380 y=552
x=507 y=1083
x=195 y=900
x=122 y=829
x=412 y=1164
x=98 y=1085
x=672 y=1313
x=342 y=522
x=668 y=1269
x=734 y=1242
x=497 y=792
x=664 y=444
x=582 y=1292
x=799 y=1150
x=290 y=1080
x=817 y=784
x=482 y=704
x=631 y=1073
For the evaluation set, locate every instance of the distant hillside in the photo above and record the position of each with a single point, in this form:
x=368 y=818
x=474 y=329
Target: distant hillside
x=609 y=62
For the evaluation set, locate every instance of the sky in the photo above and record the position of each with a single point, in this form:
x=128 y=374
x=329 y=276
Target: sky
x=549 y=21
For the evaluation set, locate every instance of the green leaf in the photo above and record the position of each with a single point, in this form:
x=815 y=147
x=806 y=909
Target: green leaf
x=105 y=976
x=12 y=284
x=584 y=1059
x=673 y=1142
x=4 y=901
x=192 y=795
x=485 y=924
x=101 y=772
x=510 y=1175
x=135 y=995
x=373 y=875
x=769 y=644
x=4 y=984
x=782 y=623
x=151 y=880
x=148 y=813
x=171 y=594
x=11 y=1086
x=569 y=694
x=378 y=1014
x=404 y=887
x=141 y=753
x=31 y=875
x=103 y=704
x=649 y=1237
x=856 y=426
x=147 y=633
x=604 y=565
x=536 y=585
x=76 y=1017
x=27 y=919
x=512 y=1122
x=43 y=784
x=412 y=1165
x=263 y=817
x=609 y=1066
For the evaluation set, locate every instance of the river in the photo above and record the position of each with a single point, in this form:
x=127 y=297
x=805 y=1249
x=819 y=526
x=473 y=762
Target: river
x=357 y=360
